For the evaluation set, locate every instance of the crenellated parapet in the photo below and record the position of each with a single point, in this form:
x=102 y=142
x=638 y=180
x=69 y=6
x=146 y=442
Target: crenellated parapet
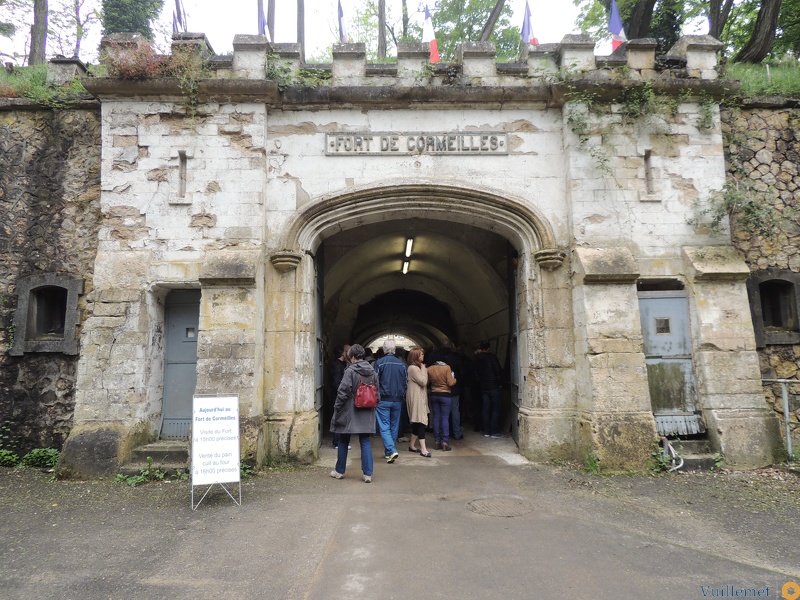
x=545 y=72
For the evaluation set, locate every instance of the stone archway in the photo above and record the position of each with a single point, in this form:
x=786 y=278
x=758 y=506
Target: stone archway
x=291 y=416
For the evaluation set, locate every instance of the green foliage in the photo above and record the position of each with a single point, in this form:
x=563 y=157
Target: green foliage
x=131 y=16
x=719 y=461
x=705 y=119
x=767 y=79
x=747 y=208
x=148 y=473
x=314 y=77
x=31 y=83
x=8 y=458
x=41 y=458
x=591 y=463
x=280 y=71
x=457 y=21
x=246 y=470
x=638 y=101
x=578 y=121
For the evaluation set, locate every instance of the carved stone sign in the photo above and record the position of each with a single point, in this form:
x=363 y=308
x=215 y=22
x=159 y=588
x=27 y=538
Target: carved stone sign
x=419 y=142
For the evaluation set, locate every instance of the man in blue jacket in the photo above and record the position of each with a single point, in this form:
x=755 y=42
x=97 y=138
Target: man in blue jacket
x=393 y=381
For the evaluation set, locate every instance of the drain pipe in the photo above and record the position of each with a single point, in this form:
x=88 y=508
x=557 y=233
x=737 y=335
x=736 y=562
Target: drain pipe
x=785 y=397
x=671 y=454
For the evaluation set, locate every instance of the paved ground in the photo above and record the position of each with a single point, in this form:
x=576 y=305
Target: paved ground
x=425 y=528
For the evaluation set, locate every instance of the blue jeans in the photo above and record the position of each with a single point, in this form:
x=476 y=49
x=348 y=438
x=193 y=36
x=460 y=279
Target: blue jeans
x=366 y=453
x=492 y=405
x=441 y=418
x=388 y=416
x=455 y=415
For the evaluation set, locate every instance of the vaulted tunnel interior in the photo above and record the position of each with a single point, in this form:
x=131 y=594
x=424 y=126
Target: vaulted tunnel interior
x=456 y=285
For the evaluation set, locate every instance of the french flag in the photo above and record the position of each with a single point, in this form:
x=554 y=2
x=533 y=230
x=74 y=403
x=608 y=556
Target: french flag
x=429 y=36
x=527 y=27
x=343 y=39
x=263 y=28
x=178 y=18
x=615 y=27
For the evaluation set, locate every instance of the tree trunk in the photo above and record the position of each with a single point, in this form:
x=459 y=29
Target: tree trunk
x=38 y=33
x=640 y=19
x=718 y=13
x=763 y=36
x=493 y=16
x=381 y=29
x=78 y=28
x=301 y=29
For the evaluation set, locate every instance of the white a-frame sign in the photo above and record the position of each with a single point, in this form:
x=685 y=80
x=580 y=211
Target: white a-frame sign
x=215 y=444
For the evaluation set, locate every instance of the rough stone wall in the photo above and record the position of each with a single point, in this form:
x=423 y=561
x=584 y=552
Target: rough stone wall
x=49 y=201
x=763 y=145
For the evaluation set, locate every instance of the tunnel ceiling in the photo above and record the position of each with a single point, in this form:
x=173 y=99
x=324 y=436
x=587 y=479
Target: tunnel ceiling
x=456 y=281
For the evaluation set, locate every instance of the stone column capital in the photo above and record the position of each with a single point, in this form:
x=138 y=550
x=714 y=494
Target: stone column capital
x=550 y=258
x=285 y=260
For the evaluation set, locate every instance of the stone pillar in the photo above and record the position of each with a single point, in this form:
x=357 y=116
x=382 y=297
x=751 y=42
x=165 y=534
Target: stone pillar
x=117 y=371
x=412 y=57
x=250 y=56
x=728 y=376
x=542 y=59
x=293 y=423
x=230 y=342
x=349 y=64
x=478 y=60
x=641 y=56
x=577 y=53
x=616 y=418
x=547 y=415
x=700 y=54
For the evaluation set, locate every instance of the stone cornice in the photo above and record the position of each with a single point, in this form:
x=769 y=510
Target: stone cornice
x=397 y=96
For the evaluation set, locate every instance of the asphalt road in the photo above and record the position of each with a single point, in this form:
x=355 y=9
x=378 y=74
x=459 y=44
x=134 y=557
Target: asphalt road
x=477 y=522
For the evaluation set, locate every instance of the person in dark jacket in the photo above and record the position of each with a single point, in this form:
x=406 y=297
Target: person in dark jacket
x=489 y=373
x=394 y=381
x=347 y=419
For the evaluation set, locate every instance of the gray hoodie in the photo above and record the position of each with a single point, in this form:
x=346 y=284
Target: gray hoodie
x=346 y=417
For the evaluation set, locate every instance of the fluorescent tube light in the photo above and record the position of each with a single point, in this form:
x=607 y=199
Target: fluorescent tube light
x=405 y=267
x=409 y=243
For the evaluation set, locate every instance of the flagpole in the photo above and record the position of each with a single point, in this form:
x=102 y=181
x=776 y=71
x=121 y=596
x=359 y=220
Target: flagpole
x=271 y=19
x=301 y=29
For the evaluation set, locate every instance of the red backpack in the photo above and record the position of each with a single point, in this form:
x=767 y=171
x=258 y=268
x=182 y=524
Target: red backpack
x=366 y=394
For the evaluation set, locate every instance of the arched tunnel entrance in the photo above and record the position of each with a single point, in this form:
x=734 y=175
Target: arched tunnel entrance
x=424 y=279
x=478 y=265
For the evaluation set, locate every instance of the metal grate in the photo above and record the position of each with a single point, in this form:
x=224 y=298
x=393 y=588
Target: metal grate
x=679 y=424
x=176 y=429
x=501 y=506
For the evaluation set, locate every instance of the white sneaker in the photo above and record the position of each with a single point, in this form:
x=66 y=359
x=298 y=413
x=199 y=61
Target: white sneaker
x=367 y=478
x=336 y=475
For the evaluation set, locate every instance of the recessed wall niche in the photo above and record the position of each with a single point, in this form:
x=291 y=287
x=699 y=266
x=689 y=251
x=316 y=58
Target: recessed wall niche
x=47 y=314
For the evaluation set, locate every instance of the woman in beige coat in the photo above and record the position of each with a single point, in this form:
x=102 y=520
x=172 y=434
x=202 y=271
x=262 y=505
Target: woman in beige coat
x=417 y=401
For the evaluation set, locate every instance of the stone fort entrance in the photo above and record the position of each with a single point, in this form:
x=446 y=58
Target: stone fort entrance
x=533 y=217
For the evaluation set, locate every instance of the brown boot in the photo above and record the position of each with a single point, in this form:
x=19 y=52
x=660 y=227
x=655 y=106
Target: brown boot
x=438 y=445
x=446 y=447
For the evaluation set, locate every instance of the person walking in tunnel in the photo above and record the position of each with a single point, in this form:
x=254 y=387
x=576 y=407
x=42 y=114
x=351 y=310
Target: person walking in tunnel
x=489 y=373
x=393 y=382
x=417 y=401
x=347 y=419
x=338 y=365
x=442 y=380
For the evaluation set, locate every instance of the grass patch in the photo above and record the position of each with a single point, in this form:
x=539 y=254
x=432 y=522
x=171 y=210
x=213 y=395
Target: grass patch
x=767 y=79
x=31 y=83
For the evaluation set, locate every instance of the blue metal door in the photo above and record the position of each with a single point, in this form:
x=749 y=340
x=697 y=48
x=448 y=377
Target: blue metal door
x=182 y=317
x=668 y=354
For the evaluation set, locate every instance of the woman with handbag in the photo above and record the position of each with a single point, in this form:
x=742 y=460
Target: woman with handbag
x=349 y=418
x=417 y=401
